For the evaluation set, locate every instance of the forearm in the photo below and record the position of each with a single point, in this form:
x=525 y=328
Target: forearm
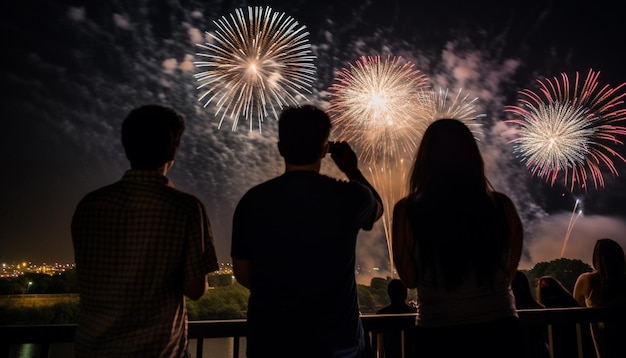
x=357 y=176
x=194 y=289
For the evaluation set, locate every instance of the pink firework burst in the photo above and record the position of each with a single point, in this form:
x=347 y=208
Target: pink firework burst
x=570 y=129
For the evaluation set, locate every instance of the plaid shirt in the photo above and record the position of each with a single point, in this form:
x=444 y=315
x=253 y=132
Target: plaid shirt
x=135 y=243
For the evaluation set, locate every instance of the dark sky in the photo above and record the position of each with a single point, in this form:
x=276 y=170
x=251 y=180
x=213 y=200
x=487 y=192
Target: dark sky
x=71 y=70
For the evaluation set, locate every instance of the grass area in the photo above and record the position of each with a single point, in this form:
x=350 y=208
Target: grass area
x=36 y=300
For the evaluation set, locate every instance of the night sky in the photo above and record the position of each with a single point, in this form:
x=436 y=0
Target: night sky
x=72 y=70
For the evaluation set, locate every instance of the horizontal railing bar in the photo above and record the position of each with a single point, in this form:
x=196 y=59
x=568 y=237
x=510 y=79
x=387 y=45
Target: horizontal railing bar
x=45 y=335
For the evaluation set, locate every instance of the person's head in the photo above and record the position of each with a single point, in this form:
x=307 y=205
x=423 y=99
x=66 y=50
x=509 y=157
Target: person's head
x=397 y=291
x=549 y=283
x=448 y=151
x=303 y=134
x=552 y=293
x=523 y=293
x=608 y=260
x=151 y=136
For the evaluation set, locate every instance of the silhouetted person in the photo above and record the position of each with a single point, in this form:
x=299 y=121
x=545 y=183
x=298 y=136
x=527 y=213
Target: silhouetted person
x=293 y=245
x=458 y=241
x=398 y=294
x=392 y=342
x=140 y=246
x=605 y=286
x=524 y=297
x=536 y=335
x=552 y=294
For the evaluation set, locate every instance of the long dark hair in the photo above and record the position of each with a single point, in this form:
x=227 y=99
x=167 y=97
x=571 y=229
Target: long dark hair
x=609 y=262
x=458 y=224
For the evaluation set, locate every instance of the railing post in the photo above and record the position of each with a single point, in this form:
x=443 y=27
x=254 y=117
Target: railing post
x=236 y=340
x=199 y=347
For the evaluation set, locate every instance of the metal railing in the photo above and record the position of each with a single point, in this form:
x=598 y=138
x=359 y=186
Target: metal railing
x=45 y=336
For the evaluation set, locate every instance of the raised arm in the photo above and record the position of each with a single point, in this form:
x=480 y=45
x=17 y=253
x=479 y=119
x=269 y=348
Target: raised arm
x=346 y=160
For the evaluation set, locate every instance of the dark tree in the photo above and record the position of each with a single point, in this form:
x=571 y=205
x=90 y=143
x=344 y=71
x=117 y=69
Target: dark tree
x=564 y=270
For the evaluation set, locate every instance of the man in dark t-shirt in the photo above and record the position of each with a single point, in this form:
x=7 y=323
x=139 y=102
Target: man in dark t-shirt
x=293 y=246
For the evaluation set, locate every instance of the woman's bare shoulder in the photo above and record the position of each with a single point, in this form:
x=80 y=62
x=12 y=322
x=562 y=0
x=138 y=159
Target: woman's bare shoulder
x=588 y=278
x=590 y=275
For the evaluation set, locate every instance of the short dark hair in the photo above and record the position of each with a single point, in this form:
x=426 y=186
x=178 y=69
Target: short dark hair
x=151 y=134
x=397 y=290
x=302 y=133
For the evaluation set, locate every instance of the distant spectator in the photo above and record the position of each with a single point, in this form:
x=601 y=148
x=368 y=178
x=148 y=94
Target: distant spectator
x=536 y=335
x=398 y=294
x=391 y=346
x=524 y=297
x=552 y=294
x=605 y=287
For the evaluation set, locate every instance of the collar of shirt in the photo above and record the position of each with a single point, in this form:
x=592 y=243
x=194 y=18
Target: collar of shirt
x=147 y=176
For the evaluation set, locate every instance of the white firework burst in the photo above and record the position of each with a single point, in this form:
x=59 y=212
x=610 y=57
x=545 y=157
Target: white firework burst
x=255 y=65
x=437 y=104
x=374 y=103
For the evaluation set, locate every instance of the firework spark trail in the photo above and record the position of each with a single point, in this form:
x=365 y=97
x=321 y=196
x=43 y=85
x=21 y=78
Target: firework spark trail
x=570 y=129
x=572 y=220
x=374 y=105
x=255 y=64
x=389 y=179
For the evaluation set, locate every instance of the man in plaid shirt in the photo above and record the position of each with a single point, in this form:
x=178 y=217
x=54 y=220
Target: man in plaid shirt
x=140 y=246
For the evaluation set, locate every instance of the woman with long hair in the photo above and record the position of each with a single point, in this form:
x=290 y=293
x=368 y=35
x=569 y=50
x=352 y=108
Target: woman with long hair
x=605 y=286
x=458 y=241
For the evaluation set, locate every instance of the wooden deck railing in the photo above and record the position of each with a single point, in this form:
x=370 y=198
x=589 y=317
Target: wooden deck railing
x=45 y=336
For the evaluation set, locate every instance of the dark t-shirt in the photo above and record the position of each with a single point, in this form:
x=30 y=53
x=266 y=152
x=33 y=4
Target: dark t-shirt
x=299 y=230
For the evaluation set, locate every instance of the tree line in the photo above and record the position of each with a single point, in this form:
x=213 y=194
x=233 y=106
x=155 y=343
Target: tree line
x=226 y=300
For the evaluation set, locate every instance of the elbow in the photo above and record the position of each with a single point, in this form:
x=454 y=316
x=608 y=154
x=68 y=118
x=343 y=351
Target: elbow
x=196 y=295
x=242 y=269
x=194 y=290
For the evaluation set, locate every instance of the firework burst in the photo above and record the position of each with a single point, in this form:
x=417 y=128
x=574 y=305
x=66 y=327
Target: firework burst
x=255 y=63
x=437 y=104
x=374 y=103
x=569 y=128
